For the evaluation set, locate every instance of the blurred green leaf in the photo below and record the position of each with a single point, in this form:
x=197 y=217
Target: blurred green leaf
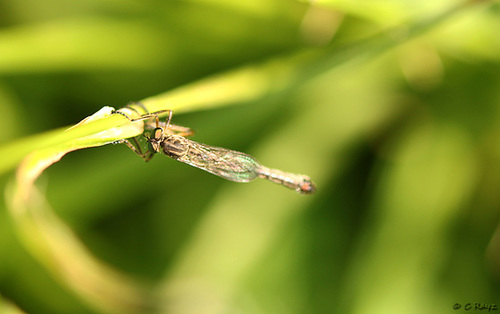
x=391 y=108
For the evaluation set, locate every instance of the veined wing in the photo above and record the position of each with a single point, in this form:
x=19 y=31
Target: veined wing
x=223 y=162
x=229 y=164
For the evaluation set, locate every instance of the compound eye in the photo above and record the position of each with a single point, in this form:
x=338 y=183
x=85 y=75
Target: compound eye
x=157 y=133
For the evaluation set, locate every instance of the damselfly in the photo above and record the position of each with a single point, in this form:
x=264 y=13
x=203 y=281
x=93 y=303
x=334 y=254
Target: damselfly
x=171 y=140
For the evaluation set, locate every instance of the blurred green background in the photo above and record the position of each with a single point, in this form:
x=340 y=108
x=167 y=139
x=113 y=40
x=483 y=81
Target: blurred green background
x=399 y=132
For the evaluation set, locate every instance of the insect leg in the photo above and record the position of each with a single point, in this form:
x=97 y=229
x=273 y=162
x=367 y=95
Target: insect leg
x=136 y=148
x=180 y=130
x=146 y=116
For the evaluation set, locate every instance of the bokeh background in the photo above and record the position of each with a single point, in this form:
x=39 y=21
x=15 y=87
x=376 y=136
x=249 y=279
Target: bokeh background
x=393 y=112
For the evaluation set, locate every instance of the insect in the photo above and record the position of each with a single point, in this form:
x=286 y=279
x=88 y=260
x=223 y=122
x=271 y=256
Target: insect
x=170 y=140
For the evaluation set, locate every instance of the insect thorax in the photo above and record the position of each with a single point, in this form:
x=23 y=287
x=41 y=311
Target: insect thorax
x=175 y=146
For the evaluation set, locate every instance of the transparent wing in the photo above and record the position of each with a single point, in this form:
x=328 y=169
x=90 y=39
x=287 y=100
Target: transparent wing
x=223 y=162
x=232 y=165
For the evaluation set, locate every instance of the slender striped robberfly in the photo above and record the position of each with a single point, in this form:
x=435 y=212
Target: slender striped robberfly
x=170 y=140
